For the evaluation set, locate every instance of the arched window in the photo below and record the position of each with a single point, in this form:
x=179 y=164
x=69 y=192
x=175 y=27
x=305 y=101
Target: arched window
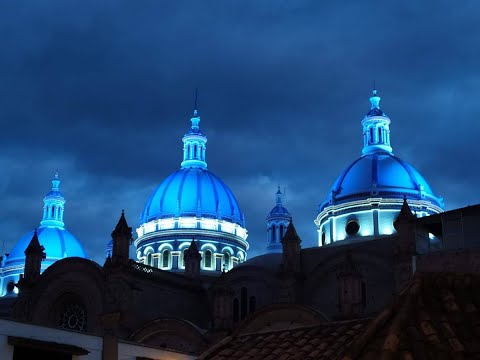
x=281 y=232
x=53 y=211
x=251 y=304
x=226 y=261
x=371 y=135
x=323 y=237
x=149 y=259
x=208 y=259
x=274 y=234
x=165 y=258
x=380 y=135
x=195 y=151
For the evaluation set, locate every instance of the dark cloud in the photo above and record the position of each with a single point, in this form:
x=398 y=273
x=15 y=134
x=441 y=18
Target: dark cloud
x=104 y=90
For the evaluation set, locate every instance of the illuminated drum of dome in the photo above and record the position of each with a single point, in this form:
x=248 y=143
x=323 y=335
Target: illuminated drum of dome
x=366 y=198
x=192 y=203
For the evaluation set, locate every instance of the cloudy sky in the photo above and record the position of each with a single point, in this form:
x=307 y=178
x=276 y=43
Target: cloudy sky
x=103 y=91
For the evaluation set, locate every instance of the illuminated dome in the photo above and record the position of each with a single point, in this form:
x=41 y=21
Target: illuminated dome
x=58 y=242
x=192 y=203
x=366 y=198
x=192 y=191
x=380 y=174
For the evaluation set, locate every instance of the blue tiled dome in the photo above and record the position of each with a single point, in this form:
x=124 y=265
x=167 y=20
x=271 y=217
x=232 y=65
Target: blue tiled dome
x=192 y=191
x=279 y=210
x=380 y=174
x=58 y=243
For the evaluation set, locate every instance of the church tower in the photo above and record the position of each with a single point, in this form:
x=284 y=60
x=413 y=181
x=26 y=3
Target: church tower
x=277 y=224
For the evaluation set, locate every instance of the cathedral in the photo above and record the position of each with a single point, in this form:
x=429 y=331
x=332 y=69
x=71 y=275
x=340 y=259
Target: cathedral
x=192 y=289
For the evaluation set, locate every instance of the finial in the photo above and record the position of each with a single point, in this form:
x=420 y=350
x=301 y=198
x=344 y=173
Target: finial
x=375 y=99
x=195 y=110
x=123 y=212
x=55 y=181
x=223 y=269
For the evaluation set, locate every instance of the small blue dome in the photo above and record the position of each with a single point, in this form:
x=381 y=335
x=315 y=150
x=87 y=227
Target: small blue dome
x=192 y=191
x=279 y=210
x=55 y=193
x=58 y=243
x=380 y=174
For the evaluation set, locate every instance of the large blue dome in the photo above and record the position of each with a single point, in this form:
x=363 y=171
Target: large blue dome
x=380 y=174
x=58 y=243
x=192 y=191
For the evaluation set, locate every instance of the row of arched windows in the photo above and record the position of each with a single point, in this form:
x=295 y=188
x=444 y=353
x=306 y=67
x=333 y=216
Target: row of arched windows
x=164 y=260
x=281 y=233
x=195 y=152
x=50 y=212
x=243 y=306
x=382 y=136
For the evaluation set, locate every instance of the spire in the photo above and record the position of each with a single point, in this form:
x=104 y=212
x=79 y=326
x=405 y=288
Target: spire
x=122 y=227
x=405 y=211
x=34 y=254
x=291 y=250
x=194 y=142
x=122 y=237
x=34 y=246
x=291 y=234
x=279 y=196
x=191 y=260
x=376 y=128
x=54 y=204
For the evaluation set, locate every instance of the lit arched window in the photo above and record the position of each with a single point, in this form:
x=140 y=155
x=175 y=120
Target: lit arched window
x=165 y=258
x=208 y=259
x=226 y=260
x=149 y=259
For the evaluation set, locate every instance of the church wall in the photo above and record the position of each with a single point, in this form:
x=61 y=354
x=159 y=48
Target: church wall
x=92 y=344
x=373 y=258
x=157 y=299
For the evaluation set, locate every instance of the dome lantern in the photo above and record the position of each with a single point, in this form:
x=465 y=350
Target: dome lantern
x=194 y=144
x=376 y=129
x=54 y=204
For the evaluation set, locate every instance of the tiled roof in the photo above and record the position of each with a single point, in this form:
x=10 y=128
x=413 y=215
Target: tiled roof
x=323 y=341
x=435 y=317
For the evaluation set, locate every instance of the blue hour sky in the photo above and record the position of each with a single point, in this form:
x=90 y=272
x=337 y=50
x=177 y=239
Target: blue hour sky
x=103 y=92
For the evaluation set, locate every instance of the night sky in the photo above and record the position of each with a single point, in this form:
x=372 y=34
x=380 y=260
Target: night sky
x=103 y=91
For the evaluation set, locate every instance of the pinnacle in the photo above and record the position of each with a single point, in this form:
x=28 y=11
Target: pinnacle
x=291 y=234
x=122 y=226
x=34 y=246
